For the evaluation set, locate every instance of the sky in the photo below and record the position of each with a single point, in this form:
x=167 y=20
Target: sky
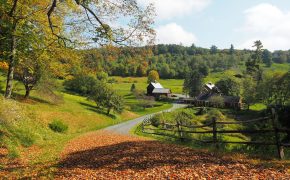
x=223 y=22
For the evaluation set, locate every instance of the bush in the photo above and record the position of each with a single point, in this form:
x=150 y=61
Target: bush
x=112 y=80
x=58 y=126
x=81 y=84
x=217 y=114
x=155 y=120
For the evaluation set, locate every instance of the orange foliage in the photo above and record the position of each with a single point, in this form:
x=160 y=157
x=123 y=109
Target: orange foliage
x=3 y=66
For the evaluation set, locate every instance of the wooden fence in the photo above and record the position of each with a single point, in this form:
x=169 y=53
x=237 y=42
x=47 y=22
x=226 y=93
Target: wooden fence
x=183 y=131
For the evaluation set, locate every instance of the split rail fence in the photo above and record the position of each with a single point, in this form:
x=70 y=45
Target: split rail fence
x=180 y=131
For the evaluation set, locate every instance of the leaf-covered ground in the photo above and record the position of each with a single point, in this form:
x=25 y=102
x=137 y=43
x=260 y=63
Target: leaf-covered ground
x=103 y=155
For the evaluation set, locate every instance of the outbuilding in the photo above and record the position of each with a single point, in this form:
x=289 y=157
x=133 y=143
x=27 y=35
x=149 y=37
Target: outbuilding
x=156 y=89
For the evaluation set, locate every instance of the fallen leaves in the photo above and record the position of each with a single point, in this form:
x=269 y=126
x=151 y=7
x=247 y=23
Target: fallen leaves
x=102 y=155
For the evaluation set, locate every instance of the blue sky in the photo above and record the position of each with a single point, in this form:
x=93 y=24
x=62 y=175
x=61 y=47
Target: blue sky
x=222 y=22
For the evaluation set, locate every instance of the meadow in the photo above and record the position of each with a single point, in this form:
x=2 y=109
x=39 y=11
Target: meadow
x=30 y=130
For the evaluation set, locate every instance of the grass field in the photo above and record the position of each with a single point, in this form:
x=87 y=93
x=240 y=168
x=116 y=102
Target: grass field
x=77 y=112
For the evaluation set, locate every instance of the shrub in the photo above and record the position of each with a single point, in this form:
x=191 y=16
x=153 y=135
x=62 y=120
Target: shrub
x=133 y=88
x=81 y=84
x=217 y=114
x=58 y=126
x=155 y=120
x=112 y=80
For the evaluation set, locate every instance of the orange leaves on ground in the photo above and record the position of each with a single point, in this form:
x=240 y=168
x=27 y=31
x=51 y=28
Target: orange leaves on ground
x=103 y=155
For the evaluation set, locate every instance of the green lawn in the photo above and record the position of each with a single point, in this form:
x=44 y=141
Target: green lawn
x=77 y=112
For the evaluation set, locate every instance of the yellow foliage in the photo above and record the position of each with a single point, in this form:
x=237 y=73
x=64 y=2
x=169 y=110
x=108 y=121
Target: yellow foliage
x=3 y=66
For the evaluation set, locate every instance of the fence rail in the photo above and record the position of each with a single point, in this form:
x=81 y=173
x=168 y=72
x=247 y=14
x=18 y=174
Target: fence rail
x=212 y=128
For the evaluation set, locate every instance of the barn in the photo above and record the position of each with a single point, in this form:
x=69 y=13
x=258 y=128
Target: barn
x=156 y=89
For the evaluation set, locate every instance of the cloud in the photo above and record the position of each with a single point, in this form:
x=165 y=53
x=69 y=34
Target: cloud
x=269 y=24
x=174 y=34
x=167 y=9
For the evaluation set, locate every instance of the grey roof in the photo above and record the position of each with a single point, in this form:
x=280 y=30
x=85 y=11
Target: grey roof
x=161 y=91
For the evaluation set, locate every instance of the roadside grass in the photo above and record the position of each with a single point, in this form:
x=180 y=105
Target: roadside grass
x=265 y=160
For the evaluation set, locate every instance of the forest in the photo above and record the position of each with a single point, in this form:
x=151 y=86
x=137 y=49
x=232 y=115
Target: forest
x=173 y=61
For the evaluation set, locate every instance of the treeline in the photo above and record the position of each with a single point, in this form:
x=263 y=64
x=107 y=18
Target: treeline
x=171 y=61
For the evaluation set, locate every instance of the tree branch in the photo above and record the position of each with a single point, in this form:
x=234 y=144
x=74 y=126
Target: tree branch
x=13 y=8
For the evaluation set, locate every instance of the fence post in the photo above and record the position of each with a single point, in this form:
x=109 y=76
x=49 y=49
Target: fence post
x=179 y=130
x=214 y=132
x=277 y=137
x=142 y=126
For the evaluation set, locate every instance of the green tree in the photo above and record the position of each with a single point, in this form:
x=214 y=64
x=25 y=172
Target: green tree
x=267 y=58
x=107 y=98
x=193 y=83
x=252 y=64
x=232 y=50
x=152 y=76
x=102 y=76
x=249 y=93
x=275 y=89
x=229 y=86
x=213 y=49
x=133 y=88
x=141 y=71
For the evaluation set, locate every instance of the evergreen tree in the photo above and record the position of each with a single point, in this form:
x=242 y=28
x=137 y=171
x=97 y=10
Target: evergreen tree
x=133 y=88
x=232 y=49
x=213 y=49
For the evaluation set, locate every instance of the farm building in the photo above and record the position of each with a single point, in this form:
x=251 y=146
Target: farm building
x=156 y=89
x=212 y=96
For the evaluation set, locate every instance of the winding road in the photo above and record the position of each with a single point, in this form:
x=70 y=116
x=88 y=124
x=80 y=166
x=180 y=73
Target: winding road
x=124 y=128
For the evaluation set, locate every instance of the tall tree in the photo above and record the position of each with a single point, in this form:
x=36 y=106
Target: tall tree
x=232 y=50
x=253 y=63
x=193 y=83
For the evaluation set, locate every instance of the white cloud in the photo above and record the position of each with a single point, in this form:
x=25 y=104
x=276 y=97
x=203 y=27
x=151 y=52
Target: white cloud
x=174 y=34
x=269 y=24
x=167 y=9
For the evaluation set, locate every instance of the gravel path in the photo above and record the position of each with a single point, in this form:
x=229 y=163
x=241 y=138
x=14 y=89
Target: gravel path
x=124 y=128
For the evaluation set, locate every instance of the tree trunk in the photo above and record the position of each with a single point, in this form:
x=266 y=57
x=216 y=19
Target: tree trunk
x=108 y=111
x=27 y=92
x=10 y=74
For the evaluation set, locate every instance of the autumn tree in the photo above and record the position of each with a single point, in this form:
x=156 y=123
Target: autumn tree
x=62 y=22
x=152 y=76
